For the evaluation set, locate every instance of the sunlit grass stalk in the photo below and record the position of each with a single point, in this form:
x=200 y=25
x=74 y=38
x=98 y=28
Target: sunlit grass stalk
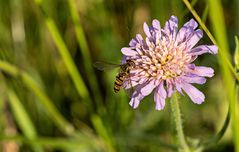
x=235 y=110
x=65 y=54
x=225 y=57
x=57 y=118
x=22 y=119
x=218 y=24
x=235 y=118
x=178 y=123
x=236 y=55
x=84 y=48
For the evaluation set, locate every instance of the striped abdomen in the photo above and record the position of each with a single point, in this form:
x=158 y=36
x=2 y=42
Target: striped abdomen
x=119 y=81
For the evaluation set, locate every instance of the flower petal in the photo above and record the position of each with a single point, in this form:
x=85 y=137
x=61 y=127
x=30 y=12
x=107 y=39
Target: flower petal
x=129 y=84
x=186 y=30
x=195 y=95
x=147 y=88
x=194 y=79
x=140 y=92
x=139 y=39
x=128 y=52
x=156 y=25
x=171 y=26
x=191 y=24
x=135 y=100
x=202 y=71
x=193 y=40
x=204 y=49
x=159 y=97
x=178 y=85
x=133 y=43
x=147 y=30
x=170 y=88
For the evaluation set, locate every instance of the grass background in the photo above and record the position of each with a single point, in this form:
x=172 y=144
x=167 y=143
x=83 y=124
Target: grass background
x=52 y=98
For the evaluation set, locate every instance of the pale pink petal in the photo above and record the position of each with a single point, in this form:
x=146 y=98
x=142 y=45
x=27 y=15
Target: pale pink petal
x=160 y=96
x=133 y=43
x=135 y=100
x=195 y=95
x=192 y=24
x=170 y=88
x=128 y=52
x=156 y=25
x=178 y=86
x=148 y=88
x=140 y=92
x=202 y=71
x=186 y=30
x=146 y=30
x=201 y=49
x=129 y=84
x=171 y=26
x=194 y=79
x=193 y=40
x=139 y=39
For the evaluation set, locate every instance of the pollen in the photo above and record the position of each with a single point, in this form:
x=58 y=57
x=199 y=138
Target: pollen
x=162 y=62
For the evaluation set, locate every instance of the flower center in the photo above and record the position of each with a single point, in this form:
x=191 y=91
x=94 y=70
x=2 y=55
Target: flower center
x=163 y=62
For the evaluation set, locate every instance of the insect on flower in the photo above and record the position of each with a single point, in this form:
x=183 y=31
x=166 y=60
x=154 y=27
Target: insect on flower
x=123 y=75
x=163 y=62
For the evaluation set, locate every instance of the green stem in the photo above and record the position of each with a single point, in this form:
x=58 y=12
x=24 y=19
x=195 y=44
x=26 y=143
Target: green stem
x=178 y=122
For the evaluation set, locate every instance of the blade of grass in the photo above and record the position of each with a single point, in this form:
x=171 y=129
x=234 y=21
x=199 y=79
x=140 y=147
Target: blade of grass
x=84 y=50
x=186 y=11
x=218 y=24
x=65 y=54
x=59 y=120
x=236 y=54
x=23 y=119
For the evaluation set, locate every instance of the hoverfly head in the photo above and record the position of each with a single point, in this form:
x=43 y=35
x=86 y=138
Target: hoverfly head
x=130 y=63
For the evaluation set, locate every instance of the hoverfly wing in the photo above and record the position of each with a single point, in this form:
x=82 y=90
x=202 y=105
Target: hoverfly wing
x=105 y=66
x=129 y=86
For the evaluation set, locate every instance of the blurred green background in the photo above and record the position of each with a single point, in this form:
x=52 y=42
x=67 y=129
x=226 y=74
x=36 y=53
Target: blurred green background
x=53 y=99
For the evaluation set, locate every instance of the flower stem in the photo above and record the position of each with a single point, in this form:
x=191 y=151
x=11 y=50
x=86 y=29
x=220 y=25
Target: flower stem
x=178 y=122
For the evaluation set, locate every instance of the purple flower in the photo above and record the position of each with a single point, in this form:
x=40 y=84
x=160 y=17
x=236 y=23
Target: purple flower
x=163 y=62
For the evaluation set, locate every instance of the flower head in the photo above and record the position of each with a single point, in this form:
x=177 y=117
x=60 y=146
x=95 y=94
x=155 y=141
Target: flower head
x=163 y=62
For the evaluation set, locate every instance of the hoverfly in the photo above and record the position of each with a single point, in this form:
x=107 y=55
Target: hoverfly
x=121 y=76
